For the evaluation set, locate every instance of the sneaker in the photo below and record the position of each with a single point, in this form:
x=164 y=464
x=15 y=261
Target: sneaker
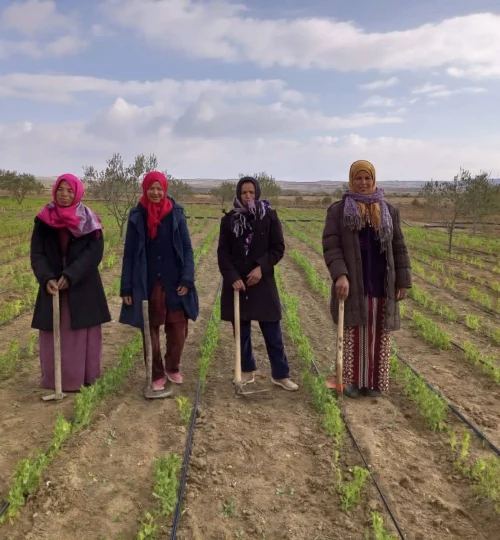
x=159 y=384
x=287 y=384
x=370 y=392
x=174 y=377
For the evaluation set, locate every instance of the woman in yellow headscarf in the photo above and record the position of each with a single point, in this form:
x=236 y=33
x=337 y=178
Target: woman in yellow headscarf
x=366 y=255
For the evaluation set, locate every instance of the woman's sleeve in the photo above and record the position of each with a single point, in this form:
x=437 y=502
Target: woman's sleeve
x=276 y=246
x=188 y=274
x=225 y=256
x=129 y=251
x=88 y=260
x=39 y=260
x=402 y=264
x=333 y=253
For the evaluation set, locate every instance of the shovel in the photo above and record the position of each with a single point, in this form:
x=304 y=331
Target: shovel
x=237 y=357
x=58 y=396
x=337 y=383
x=149 y=393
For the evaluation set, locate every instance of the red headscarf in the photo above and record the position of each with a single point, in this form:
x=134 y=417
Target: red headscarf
x=77 y=217
x=156 y=211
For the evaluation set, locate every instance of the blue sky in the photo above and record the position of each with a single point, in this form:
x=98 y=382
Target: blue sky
x=219 y=88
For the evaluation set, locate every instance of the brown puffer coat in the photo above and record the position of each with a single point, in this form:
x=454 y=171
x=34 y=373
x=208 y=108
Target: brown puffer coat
x=342 y=254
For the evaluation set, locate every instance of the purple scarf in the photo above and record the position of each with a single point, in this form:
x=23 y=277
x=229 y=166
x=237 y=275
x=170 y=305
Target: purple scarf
x=241 y=223
x=355 y=221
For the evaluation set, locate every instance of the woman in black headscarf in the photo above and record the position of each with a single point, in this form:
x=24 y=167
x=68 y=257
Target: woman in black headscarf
x=250 y=245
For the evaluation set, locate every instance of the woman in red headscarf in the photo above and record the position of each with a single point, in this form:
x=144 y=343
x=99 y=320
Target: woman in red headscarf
x=66 y=248
x=158 y=266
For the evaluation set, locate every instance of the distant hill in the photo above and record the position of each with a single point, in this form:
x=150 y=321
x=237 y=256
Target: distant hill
x=206 y=184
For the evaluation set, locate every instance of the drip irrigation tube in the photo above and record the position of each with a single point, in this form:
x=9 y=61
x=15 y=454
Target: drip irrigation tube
x=467 y=422
x=477 y=306
x=368 y=468
x=187 y=450
x=474 y=281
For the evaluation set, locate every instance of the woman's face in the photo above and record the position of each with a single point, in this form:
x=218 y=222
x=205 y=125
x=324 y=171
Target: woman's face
x=247 y=192
x=64 y=194
x=363 y=182
x=155 y=192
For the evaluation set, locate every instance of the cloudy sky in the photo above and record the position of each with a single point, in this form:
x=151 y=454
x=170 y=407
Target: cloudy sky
x=215 y=88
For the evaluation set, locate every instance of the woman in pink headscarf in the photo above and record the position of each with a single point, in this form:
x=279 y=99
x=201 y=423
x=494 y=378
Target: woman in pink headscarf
x=67 y=246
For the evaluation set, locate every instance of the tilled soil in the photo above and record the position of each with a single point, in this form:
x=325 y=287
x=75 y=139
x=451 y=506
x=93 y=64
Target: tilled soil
x=26 y=421
x=102 y=483
x=412 y=464
x=261 y=465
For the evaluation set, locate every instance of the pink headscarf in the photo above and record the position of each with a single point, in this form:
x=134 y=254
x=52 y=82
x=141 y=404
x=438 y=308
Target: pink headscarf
x=78 y=218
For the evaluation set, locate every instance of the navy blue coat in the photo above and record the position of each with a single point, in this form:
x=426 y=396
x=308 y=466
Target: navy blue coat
x=135 y=271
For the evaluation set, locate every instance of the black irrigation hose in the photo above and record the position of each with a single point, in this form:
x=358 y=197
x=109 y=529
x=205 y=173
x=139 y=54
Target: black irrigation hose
x=462 y=299
x=452 y=407
x=187 y=451
x=475 y=281
x=368 y=468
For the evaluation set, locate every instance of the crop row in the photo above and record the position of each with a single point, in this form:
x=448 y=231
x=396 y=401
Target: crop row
x=473 y=322
x=482 y=300
x=439 y=338
x=28 y=471
x=461 y=240
x=447 y=270
x=483 y=473
x=325 y=404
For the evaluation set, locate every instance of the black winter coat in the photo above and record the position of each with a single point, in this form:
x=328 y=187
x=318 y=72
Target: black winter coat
x=260 y=302
x=87 y=300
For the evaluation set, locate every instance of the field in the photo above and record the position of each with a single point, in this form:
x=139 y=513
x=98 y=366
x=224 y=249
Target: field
x=106 y=464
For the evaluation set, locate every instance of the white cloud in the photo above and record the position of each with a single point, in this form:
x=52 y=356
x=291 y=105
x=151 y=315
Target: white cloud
x=379 y=101
x=229 y=33
x=44 y=31
x=435 y=91
x=48 y=149
x=377 y=85
x=35 y=17
x=65 y=88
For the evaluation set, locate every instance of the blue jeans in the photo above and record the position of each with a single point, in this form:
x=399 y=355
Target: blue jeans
x=271 y=331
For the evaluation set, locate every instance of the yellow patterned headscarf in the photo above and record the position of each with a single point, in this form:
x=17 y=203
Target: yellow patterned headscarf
x=370 y=212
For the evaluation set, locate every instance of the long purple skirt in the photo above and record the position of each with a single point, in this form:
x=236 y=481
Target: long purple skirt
x=81 y=353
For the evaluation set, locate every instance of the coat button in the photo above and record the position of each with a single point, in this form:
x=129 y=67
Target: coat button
x=159 y=274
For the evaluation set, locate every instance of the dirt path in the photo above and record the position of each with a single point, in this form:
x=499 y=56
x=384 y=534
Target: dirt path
x=411 y=462
x=261 y=466
x=26 y=422
x=102 y=482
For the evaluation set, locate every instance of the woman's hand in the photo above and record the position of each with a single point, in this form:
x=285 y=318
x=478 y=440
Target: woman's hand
x=254 y=276
x=239 y=285
x=63 y=283
x=401 y=294
x=52 y=287
x=182 y=291
x=127 y=300
x=342 y=287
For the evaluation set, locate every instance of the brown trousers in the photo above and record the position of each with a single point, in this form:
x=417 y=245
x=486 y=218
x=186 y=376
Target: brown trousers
x=176 y=330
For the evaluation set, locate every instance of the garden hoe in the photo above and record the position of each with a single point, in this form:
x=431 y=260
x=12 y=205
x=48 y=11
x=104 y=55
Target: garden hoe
x=337 y=383
x=58 y=396
x=149 y=393
x=237 y=357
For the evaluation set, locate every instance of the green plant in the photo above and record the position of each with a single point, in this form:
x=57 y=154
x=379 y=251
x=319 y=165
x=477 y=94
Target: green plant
x=185 y=409
x=350 y=492
x=167 y=470
x=229 y=508
x=379 y=533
